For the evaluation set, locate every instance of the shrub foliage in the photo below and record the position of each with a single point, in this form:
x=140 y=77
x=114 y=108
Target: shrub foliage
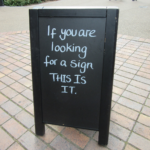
x=20 y=2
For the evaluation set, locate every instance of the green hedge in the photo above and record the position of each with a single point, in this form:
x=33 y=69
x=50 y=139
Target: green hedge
x=20 y=2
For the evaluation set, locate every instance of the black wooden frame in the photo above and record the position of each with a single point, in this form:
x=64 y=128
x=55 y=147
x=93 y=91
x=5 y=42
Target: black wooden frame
x=111 y=15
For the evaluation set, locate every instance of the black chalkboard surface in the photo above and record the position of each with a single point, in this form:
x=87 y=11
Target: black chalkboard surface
x=73 y=53
x=71 y=70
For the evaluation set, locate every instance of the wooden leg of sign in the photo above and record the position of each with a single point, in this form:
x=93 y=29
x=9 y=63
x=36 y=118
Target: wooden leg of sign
x=102 y=141
x=104 y=123
x=36 y=79
x=108 y=71
x=103 y=136
x=40 y=129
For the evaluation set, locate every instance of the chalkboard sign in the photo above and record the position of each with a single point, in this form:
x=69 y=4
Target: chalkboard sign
x=73 y=52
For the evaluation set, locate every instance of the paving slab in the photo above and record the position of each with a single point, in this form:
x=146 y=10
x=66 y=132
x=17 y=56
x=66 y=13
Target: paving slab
x=130 y=113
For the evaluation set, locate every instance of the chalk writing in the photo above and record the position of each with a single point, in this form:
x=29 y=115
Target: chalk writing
x=66 y=87
x=73 y=33
x=61 y=78
x=51 y=61
x=82 y=65
x=70 y=48
x=73 y=49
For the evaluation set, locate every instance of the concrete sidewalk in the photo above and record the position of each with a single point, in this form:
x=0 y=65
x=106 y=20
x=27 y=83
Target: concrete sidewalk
x=134 y=15
x=130 y=114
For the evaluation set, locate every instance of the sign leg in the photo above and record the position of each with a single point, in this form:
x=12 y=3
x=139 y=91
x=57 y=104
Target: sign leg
x=108 y=72
x=39 y=128
x=36 y=79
